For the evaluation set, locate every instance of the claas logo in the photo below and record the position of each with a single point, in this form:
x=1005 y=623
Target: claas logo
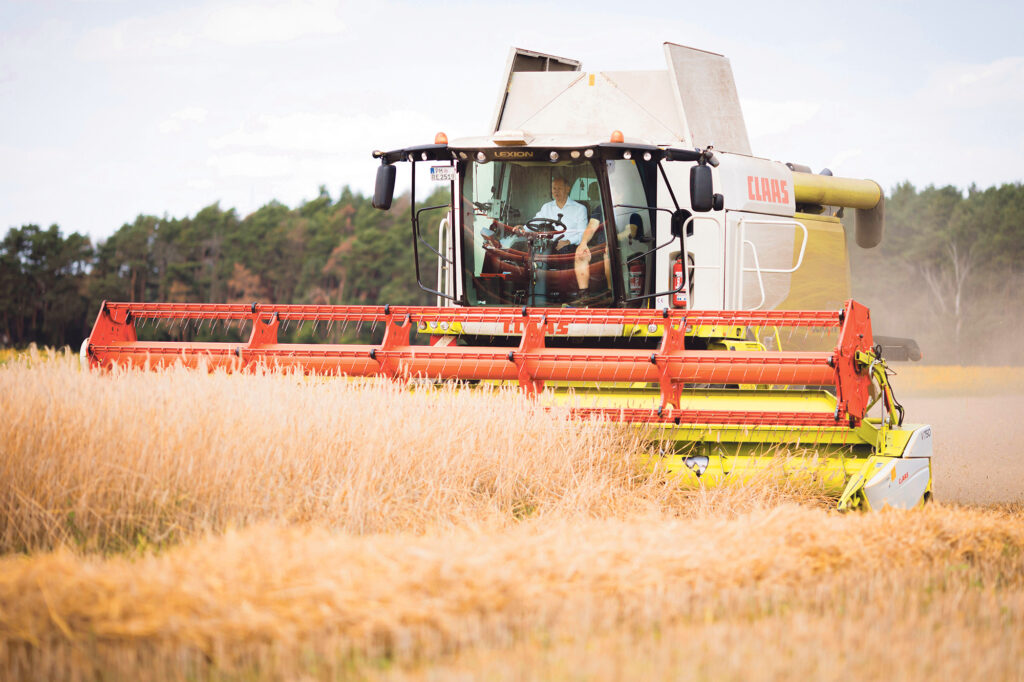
x=771 y=190
x=518 y=327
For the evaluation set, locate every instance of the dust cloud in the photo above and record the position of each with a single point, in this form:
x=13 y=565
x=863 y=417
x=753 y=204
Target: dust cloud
x=978 y=456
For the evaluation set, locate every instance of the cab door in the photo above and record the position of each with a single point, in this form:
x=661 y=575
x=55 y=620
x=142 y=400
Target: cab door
x=762 y=253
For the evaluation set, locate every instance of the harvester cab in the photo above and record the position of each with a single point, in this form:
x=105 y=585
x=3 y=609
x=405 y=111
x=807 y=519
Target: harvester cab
x=543 y=223
x=613 y=248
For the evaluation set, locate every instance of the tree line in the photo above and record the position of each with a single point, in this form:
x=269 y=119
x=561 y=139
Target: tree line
x=948 y=272
x=324 y=251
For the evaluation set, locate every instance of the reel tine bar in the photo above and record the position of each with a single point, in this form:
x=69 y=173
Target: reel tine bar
x=671 y=367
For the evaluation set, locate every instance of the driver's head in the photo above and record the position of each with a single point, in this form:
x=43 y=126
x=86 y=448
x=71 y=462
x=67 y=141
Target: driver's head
x=559 y=189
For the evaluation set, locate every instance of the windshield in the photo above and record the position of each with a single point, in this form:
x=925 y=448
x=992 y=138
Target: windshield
x=534 y=234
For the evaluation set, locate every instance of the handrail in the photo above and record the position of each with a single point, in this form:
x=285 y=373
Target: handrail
x=718 y=246
x=757 y=267
x=803 y=246
x=442 y=268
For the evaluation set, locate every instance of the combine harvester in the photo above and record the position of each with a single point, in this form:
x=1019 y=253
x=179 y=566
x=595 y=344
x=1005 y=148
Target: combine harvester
x=599 y=252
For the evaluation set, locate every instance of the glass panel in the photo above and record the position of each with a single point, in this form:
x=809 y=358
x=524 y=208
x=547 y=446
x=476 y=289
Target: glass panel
x=634 y=185
x=523 y=223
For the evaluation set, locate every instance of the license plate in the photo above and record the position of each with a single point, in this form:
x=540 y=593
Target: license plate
x=442 y=173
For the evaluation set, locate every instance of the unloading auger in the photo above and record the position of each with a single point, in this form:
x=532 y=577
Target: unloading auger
x=698 y=293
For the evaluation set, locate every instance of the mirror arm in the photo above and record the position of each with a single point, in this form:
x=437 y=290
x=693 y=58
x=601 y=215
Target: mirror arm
x=671 y=193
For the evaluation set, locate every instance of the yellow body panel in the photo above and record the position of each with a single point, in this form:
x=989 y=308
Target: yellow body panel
x=721 y=468
x=839 y=458
x=705 y=331
x=822 y=282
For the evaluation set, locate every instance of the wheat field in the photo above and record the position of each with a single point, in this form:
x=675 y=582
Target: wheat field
x=178 y=524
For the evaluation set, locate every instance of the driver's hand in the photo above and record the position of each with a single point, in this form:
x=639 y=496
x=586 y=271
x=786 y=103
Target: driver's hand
x=583 y=253
x=562 y=244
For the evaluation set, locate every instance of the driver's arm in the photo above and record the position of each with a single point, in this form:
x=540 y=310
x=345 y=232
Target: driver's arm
x=589 y=231
x=583 y=251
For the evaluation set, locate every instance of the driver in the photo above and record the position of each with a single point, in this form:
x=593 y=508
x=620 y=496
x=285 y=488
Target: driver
x=580 y=228
x=571 y=213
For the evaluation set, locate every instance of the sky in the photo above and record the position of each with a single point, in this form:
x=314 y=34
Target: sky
x=113 y=108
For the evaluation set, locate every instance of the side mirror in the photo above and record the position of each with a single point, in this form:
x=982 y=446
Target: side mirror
x=719 y=202
x=384 y=189
x=679 y=218
x=702 y=191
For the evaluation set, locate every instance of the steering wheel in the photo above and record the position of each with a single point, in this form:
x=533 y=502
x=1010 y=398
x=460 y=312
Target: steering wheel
x=546 y=226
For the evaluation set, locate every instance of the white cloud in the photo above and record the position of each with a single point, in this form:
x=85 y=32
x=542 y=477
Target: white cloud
x=199 y=183
x=228 y=24
x=960 y=123
x=254 y=24
x=191 y=114
x=134 y=38
x=766 y=117
x=287 y=156
x=839 y=160
x=253 y=165
x=175 y=122
x=326 y=134
x=977 y=85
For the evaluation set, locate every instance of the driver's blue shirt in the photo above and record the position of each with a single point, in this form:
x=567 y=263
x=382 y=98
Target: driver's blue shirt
x=574 y=217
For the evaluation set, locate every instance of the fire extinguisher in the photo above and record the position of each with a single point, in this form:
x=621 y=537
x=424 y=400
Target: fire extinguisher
x=679 y=299
x=636 y=277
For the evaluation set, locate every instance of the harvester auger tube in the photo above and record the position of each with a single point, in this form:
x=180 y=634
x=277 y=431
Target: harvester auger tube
x=766 y=403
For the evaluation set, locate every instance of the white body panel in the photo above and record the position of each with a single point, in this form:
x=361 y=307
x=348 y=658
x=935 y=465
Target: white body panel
x=755 y=185
x=745 y=254
x=706 y=95
x=594 y=104
x=900 y=484
x=762 y=253
x=920 y=443
x=692 y=103
x=706 y=244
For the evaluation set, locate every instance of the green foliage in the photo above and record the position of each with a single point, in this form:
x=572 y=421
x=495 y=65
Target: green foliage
x=323 y=251
x=43 y=284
